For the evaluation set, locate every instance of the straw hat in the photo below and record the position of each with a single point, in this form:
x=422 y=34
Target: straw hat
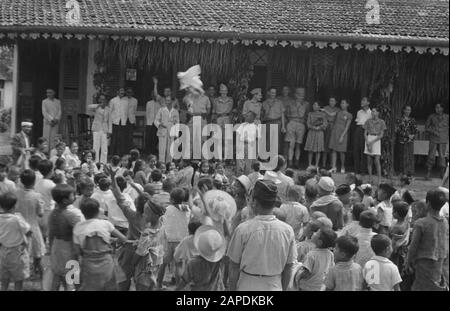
x=210 y=243
x=270 y=175
x=220 y=205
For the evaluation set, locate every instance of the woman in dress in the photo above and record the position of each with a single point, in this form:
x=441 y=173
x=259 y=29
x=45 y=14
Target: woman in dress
x=331 y=112
x=339 y=136
x=317 y=123
x=406 y=130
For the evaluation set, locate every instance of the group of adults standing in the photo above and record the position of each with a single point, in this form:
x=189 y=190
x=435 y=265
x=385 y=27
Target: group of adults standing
x=117 y=119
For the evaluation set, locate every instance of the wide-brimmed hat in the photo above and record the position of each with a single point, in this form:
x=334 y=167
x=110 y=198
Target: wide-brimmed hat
x=270 y=175
x=220 y=205
x=245 y=181
x=210 y=243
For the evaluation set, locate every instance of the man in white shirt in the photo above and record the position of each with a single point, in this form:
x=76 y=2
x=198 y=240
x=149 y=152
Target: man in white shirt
x=51 y=110
x=247 y=135
x=166 y=117
x=123 y=118
x=358 y=139
x=44 y=187
x=101 y=128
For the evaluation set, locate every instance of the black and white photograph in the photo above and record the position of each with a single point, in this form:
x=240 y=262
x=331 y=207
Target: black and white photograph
x=224 y=146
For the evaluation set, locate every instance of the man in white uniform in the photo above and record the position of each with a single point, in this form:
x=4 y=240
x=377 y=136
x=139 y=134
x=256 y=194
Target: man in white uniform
x=51 y=110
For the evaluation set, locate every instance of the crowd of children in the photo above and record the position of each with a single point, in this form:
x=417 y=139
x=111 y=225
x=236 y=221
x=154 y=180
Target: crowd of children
x=129 y=221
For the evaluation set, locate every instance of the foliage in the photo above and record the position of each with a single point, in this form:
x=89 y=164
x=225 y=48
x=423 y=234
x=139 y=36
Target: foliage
x=5 y=120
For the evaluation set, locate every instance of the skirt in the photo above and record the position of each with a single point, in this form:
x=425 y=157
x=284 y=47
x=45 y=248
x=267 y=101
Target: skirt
x=405 y=158
x=97 y=273
x=315 y=141
x=376 y=147
x=248 y=282
x=61 y=252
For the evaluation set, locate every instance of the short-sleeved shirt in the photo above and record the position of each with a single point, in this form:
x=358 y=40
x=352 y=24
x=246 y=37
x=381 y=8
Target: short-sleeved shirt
x=362 y=116
x=198 y=105
x=203 y=275
x=296 y=215
x=252 y=105
x=374 y=127
x=222 y=105
x=333 y=111
x=318 y=262
x=92 y=227
x=345 y=276
x=30 y=205
x=263 y=245
x=297 y=110
x=437 y=128
x=61 y=223
x=381 y=274
x=13 y=229
x=273 y=109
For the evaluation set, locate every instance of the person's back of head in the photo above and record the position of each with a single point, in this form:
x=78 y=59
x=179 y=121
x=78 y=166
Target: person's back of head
x=104 y=184
x=302 y=178
x=8 y=201
x=177 y=196
x=28 y=178
x=61 y=194
x=205 y=182
x=381 y=244
x=193 y=226
x=90 y=208
x=121 y=183
x=84 y=184
x=281 y=162
x=295 y=193
x=155 y=176
x=367 y=189
x=400 y=210
x=348 y=245
x=168 y=185
x=435 y=199
x=33 y=162
x=326 y=238
x=45 y=167
x=407 y=197
x=59 y=163
x=367 y=219
x=115 y=160
x=311 y=228
x=325 y=222
x=357 y=209
x=290 y=173
x=99 y=176
x=311 y=191
x=256 y=166
x=324 y=173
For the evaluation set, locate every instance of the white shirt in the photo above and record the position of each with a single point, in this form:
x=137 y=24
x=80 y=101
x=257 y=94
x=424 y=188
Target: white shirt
x=108 y=203
x=362 y=116
x=381 y=274
x=92 y=227
x=151 y=110
x=44 y=187
x=119 y=110
x=51 y=109
x=444 y=211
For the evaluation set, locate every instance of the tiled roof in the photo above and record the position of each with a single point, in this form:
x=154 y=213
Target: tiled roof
x=405 y=19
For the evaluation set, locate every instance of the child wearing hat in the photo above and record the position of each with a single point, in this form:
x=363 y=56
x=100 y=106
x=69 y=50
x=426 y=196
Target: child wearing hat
x=203 y=272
